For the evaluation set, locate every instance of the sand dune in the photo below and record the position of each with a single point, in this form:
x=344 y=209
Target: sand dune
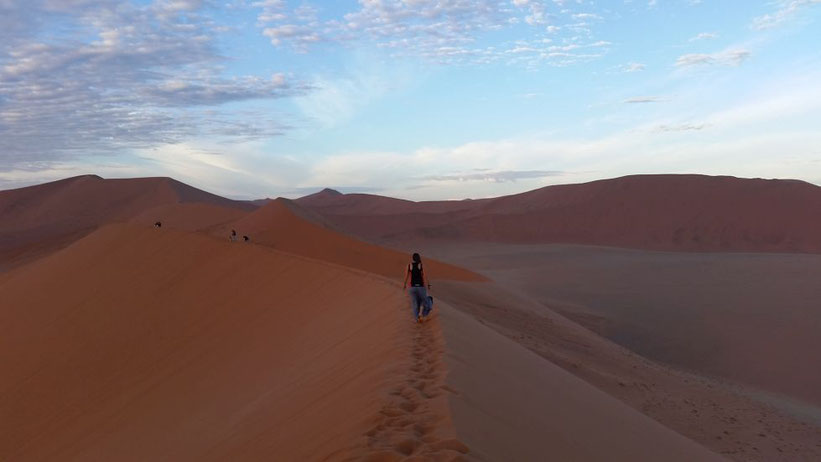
x=333 y=202
x=749 y=318
x=279 y=225
x=189 y=216
x=144 y=344
x=136 y=343
x=663 y=212
x=38 y=219
x=719 y=416
x=545 y=413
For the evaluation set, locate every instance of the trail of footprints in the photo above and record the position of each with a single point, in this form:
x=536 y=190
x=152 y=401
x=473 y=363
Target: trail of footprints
x=407 y=423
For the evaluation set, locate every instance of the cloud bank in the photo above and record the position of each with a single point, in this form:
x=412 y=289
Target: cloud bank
x=446 y=32
x=94 y=76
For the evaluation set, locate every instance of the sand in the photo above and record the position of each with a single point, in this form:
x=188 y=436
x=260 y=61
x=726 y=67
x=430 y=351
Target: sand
x=511 y=404
x=719 y=416
x=189 y=216
x=660 y=212
x=144 y=344
x=127 y=342
x=180 y=346
x=279 y=225
x=37 y=220
x=730 y=329
x=746 y=318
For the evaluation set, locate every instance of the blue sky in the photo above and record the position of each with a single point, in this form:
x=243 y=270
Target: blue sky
x=420 y=99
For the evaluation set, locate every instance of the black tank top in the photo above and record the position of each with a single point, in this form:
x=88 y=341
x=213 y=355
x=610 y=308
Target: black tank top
x=416 y=274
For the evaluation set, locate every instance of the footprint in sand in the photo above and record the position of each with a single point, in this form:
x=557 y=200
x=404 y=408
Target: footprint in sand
x=407 y=423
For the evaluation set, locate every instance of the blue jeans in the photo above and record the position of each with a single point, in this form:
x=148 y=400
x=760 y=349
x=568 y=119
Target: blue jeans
x=419 y=296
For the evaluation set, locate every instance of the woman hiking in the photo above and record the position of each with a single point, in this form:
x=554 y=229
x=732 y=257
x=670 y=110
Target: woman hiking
x=418 y=282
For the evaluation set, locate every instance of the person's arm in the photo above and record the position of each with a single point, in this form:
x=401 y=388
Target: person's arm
x=425 y=280
x=407 y=275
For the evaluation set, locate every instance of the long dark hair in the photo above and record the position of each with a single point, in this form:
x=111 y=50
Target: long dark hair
x=417 y=258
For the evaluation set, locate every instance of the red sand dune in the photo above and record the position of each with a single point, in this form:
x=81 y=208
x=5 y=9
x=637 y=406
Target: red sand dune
x=663 y=212
x=510 y=404
x=143 y=344
x=39 y=219
x=137 y=343
x=189 y=216
x=719 y=416
x=279 y=225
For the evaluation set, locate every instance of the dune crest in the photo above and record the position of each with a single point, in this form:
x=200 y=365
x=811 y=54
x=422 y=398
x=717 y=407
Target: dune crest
x=279 y=225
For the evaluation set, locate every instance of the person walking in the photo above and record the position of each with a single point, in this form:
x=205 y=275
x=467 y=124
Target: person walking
x=415 y=274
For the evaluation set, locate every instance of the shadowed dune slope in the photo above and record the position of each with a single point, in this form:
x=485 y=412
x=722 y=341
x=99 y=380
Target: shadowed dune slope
x=279 y=225
x=545 y=413
x=39 y=219
x=143 y=344
x=747 y=317
x=720 y=417
x=663 y=212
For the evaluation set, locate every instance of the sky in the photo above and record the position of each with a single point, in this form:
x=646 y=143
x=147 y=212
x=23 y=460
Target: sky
x=418 y=99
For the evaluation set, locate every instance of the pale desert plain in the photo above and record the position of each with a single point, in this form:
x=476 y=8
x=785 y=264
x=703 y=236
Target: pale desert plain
x=659 y=318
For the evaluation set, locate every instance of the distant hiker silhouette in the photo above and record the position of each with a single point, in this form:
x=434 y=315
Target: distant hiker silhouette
x=420 y=301
x=233 y=236
x=158 y=224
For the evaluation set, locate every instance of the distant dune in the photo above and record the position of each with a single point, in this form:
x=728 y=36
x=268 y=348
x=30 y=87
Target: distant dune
x=660 y=212
x=39 y=219
x=280 y=224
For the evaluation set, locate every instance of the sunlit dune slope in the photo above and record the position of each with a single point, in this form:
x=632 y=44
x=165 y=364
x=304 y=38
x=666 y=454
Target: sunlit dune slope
x=142 y=344
x=664 y=212
x=189 y=216
x=278 y=225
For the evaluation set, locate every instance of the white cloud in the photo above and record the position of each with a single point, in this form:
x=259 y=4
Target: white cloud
x=704 y=36
x=337 y=99
x=644 y=99
x=681 y=127
x=441 y=31
x=732 y=57
x=787 y=10
x=118 y=75
x=706 y=142
x=633 y=67
x=504 y=176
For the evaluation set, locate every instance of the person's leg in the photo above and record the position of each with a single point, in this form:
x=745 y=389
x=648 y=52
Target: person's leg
x=415 y=302
x=428 y=306
x=423 y=301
